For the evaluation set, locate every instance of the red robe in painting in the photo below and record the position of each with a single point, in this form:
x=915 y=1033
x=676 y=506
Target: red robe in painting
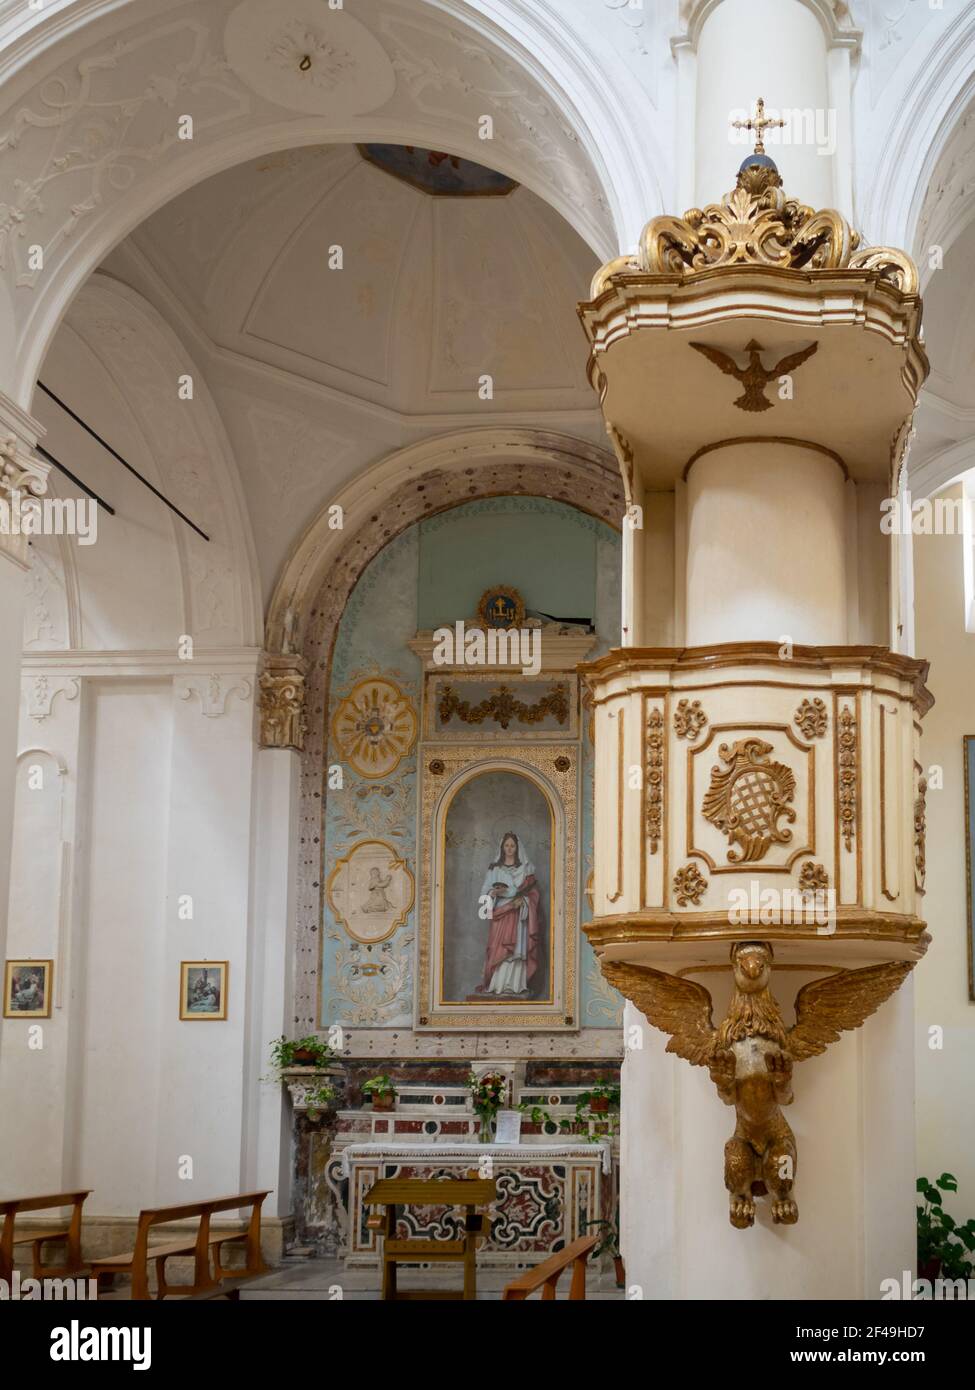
x=503 y=933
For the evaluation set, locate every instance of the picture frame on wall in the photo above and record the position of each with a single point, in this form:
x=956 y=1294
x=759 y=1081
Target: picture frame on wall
x=203 y=990
x=27 y=988
x=968 y=759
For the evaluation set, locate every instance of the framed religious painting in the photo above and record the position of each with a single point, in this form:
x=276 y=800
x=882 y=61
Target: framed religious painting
x=499 y=912
x=968 y=756
x=27 y=988
x=203 y=990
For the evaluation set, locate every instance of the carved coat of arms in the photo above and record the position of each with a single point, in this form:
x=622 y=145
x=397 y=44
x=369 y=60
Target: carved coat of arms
x=748 y=797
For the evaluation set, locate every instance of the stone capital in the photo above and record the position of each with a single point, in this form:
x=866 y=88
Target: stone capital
x=23 y=478
x=282 y=701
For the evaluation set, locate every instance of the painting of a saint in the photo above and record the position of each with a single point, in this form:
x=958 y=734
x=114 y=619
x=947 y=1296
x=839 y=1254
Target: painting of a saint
x=498 y=848
x=203 y=989
x=27 y=989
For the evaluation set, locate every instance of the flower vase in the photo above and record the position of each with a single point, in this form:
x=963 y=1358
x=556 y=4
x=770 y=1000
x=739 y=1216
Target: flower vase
x=485 y=1135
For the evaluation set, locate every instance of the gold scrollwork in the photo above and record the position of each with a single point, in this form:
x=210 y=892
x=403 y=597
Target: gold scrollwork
x=689 y=719
x=813 y=878
x=847 y=760
x=655 y=777
x=811 y=718
x=503 y=706
x=748 y=797
x=920 y=827
x=690 y=885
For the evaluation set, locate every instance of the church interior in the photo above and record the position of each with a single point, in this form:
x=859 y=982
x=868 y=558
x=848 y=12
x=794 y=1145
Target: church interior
x=488 y=566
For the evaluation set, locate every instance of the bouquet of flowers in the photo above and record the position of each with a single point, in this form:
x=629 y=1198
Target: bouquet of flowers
x=487 y=1097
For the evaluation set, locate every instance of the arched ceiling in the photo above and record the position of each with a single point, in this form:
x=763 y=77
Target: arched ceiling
x=431 y=294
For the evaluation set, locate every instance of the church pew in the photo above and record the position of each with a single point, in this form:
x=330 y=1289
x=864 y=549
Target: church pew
x=70 y=1232
x=136 y=1262
x=546 y=1275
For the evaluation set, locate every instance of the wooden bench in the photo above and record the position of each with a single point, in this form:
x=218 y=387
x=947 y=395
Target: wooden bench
x=70 y=1233
x=546 y=1275
x=136 y=1262
x=469 y=1193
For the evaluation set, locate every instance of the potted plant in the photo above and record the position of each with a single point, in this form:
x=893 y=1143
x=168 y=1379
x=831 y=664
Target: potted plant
x=609 y=1243
x=299 y=1052
x=602 y=1098
x=380 y=1091
x=487 y=1097
x=316 y=1100
x=943 y=1246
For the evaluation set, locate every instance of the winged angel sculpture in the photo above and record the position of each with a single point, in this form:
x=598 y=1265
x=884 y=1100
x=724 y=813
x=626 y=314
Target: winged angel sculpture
x=750 y=1055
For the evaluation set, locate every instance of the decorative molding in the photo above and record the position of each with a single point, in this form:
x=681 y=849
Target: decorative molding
x=847 y=763
x=747 y=798
x=813 y=878
x=689 y=719
x=690 y=885
x=213 y=691
x=654 y=775
x=375 y=727
x=920 y=830
x=44 y=690
x=503 y=707
x=811 y=718
x=282 y=702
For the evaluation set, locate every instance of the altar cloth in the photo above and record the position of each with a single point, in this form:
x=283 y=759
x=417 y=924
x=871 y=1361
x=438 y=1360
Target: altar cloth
x=449 y=1152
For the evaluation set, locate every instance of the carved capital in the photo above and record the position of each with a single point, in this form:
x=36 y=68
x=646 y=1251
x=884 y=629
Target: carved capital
x=282 y=702
x=23 y=479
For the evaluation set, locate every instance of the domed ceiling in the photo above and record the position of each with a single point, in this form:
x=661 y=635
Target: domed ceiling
x=398 y=276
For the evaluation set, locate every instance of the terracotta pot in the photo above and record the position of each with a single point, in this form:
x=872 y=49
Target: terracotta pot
x=302 y=1057
x=620 y=1271
x=384 y=1102
x=599 y=1105
x=930 y=1270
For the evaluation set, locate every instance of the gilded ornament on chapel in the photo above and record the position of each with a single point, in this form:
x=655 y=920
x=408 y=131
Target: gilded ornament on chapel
x=747 y=799
x=847 y=764
x=375 y=727
x=690 y=885
x=811 y=718
x=689 y=719
x=503 y=707
x=751 y=1054
x=813 y=878
x=654 y=778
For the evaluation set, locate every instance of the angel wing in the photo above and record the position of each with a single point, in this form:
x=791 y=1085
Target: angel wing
x=720 y=359
x=825 y=1008
x=794 y=360
x=679 y=1007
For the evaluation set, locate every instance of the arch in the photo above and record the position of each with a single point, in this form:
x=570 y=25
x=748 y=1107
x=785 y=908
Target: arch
x=905 y=206
x=565 y=129
x=192 y=456
x=416 y=482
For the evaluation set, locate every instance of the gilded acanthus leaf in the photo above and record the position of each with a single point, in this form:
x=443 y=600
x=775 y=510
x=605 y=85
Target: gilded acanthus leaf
x=675 y=1006
x=826 y=1008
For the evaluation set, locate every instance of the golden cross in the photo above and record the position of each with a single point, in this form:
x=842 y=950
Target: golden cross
x=759 y=123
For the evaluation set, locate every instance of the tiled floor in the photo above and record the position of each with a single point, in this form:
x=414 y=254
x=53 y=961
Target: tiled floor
x=329 y=1280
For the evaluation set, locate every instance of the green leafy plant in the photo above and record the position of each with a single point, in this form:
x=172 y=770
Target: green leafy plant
x=609 y=1241
x=318 y=1099
x=311 y=1052
x=602 y=1090
x=943 y=1246
x=379 y=1086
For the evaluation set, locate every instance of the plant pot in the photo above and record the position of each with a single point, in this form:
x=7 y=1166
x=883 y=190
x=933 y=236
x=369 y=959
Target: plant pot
x=620 y=1271
x=930 y=1269
x=302 y=1057
x=384 y=1102
x=599 y=1105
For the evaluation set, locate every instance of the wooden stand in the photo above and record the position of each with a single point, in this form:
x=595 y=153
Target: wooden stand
x=469 y=1193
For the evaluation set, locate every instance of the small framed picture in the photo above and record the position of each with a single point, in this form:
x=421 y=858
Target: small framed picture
x=203 y=989
x=968 y=745
x=27 y=986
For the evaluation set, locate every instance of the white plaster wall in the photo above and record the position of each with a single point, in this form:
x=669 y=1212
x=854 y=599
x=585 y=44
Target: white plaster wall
x=946 y=1076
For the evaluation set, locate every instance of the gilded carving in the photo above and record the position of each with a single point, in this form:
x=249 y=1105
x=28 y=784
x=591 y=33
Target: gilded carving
x=811 y=718
x=750 y=1055
x=748 y=797
x=757 y=224
x=503 y=706
x=753 y=376
x=920 y=828
x=375 y=727
x=813 y=878
x=654 y=774
x=847 y=760
x=690 y=885
x=689 y=719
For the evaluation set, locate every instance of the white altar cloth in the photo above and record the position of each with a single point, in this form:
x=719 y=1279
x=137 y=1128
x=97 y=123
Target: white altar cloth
x=422 y=1149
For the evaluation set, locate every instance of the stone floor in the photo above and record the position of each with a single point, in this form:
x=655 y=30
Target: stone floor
x=327 y=1280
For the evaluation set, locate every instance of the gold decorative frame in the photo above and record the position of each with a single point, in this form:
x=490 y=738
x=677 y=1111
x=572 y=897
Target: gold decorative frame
x=543 y=681
x=221 y=1015
x=397 y=863
x=11 y=966
x=556 y=771
x=691 y=852
x=402 y=737
x=513 y=597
